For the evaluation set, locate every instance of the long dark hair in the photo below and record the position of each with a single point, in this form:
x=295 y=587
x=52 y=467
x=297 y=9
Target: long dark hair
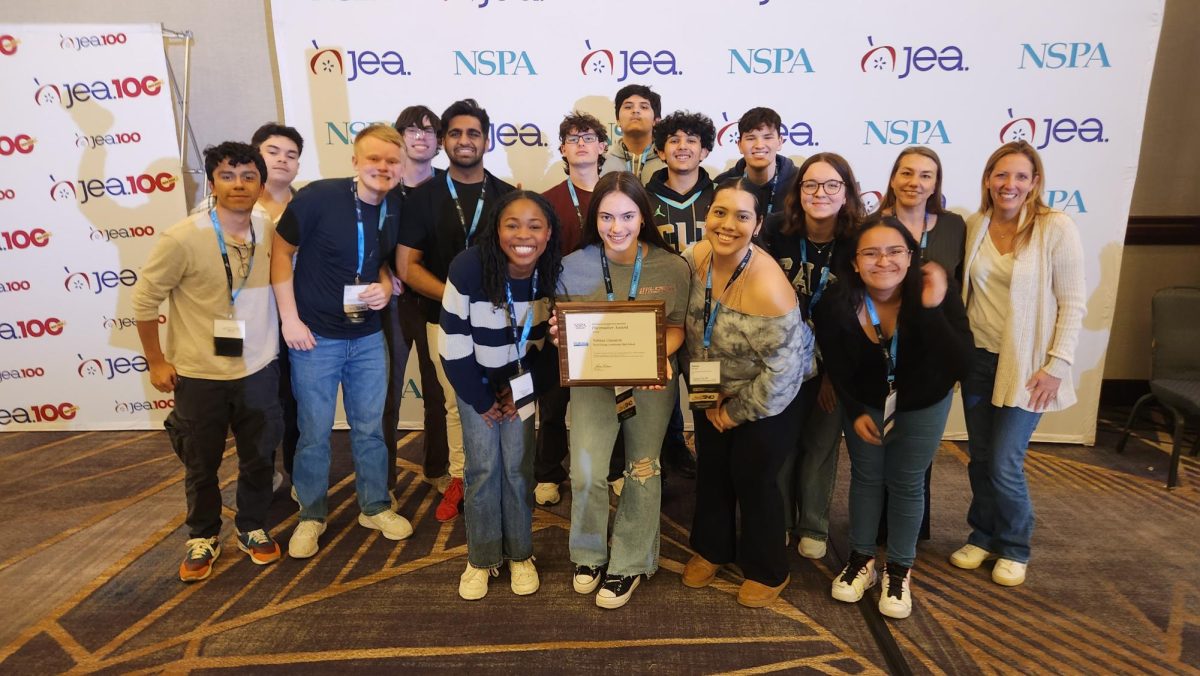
x=851 y=283
x=849 y=217
x=933 y=203
x=495 y=262
x=627 y=184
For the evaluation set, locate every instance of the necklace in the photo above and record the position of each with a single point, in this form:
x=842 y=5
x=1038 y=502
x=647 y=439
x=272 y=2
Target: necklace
x=821 y=248
x=995 y=229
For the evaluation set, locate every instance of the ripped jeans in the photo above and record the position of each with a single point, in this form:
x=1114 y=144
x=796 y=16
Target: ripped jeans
x=594 y=428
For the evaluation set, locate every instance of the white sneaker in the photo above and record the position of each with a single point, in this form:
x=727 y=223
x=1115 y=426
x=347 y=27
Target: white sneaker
x=970 y=557
x=895 y=599
x=617 y=486
x=473 y=583
x=303 y=543
x=276 y=481
x=811 y=548
x=1008 y=573
x=524 y=577
x=546 y=494
x=295 y=497
x=392 y=525
x=856 y=578
x=587 y=578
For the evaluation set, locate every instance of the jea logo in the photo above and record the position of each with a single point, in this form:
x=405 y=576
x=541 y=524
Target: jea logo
x=109 y=234
x=921 y=59
x=83 y=190
x=131 y=407
x=22 y=373
x=97 y=140
x=796 y=133
x=36 y=413
x=85 y=41
x=109 y=367
x=8 y=45
x=1055 y=55
x=15 y=286
x=364 y=62
x=31 y=328
x=769 y=61
x=70 y=93
x=1061 y=130
x=870 y=201
x=24 y=239
x=98 y=281
x=505 y=134
x=492 y=62
x=906 y=132
x=637 y=62
x=122 y=323
x=1070 y=201
x=20 y=144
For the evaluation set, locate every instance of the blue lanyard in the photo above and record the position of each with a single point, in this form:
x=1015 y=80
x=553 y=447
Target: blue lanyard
x=816 y=295
x=924 y=235
x=361 y=239
x=889 y=346
x=212 y=214
x=523 y=338
x=574 y=200
x=774 y=184
x=462 y=218
x=641 y=162
x=633 y=282
x=710 y=312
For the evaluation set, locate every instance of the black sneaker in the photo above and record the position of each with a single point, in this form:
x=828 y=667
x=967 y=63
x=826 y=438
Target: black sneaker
x=616 y=590
x=587 y=578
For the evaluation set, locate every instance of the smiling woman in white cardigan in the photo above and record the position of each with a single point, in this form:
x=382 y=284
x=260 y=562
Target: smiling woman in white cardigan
x=1024 y=291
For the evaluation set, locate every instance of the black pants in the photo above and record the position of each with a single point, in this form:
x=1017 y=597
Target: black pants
x=552 y=444
x=403 y=321
x=204 y=411
x=739 y=469
x=287 y=400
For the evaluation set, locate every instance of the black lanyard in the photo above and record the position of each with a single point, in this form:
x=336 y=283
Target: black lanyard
x=710 y=314
x=633 y=281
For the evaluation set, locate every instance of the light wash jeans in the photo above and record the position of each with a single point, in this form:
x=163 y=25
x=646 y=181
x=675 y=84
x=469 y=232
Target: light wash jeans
x=594 y=428
x=809 y=474
x=899 y=466
x=1001 y=513
x=498 y=488
x=454 y=430
x=359 y=365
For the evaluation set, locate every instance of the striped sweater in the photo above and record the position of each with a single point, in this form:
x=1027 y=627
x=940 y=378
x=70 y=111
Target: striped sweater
x=475 y=338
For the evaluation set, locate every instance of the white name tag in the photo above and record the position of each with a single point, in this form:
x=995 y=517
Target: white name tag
x=350 y=295
x=889 y=412
x=705 y=373
x=229 y=328
x=522 y=395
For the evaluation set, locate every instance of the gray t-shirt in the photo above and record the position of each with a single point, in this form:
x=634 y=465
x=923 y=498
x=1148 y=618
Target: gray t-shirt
x=665 y=277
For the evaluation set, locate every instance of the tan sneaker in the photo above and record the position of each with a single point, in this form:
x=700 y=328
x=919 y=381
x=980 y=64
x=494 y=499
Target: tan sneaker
x=970 y=557
x=546 y=494
x=1008 y=572
x=699 y=572
x=758 y=595
x=473 y=583
x=524 y=577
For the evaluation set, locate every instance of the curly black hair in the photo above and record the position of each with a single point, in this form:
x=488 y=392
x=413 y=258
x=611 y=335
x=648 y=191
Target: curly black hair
x=495 y=262
x=693 y=124
x=237 y=153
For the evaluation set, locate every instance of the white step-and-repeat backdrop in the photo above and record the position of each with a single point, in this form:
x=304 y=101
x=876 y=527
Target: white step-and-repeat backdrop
x=89 y=173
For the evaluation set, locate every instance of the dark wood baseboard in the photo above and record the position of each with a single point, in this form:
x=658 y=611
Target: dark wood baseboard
x=1160 y=230
x=1122 y=392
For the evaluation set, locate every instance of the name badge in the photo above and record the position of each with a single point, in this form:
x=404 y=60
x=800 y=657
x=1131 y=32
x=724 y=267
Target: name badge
x=889 y=411
x=228 y=337
x=704 y=384
x=522 y=394
x=626 y=406
x=352 y=305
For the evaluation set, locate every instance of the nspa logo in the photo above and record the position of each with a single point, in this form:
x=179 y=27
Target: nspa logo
x=492 y=62
x=36 y=238
x=110 y=367
x=68 y=94
x=906 y=132
x=109 y=234
x=97 y=140
x=769 y=61
x=98 y=281
x=38 y=413
x=1055 y=55
x=1070 y=201
x=31 y=328
x=921 y=59
x=8 y=45
x=22 y=373
x=504 y=134
x=17 y=144
x=362 y=62
x=603 y=62
x=795 y=133
x=79 y=42
x=122 y=323
x=131 y=407
x=1061 y=130
x=15 y=286
x=84 y=189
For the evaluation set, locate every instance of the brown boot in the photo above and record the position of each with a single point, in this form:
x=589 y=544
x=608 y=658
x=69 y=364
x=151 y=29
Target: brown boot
x=757 y=595
x=699 y=572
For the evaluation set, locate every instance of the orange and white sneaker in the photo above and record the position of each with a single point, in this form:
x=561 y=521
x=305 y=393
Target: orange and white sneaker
x=201 y=553
x=259 y=545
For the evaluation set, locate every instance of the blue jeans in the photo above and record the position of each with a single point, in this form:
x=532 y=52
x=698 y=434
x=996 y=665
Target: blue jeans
x=359 y=365
x=497 y=488
x=1001 y=513
x=809 y=475
x=594 y=428
x=899 y=466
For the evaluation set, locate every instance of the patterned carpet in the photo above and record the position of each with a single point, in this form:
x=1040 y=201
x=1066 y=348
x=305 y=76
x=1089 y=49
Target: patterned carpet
x=93 y=528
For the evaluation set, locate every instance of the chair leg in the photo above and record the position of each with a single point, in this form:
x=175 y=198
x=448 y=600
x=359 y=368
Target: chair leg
x=1129 y=423
x=1176 y=446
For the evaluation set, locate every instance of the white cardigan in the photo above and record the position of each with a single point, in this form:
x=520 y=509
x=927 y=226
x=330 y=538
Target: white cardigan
x=1047 y=305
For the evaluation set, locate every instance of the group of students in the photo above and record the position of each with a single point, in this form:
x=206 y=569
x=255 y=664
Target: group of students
x=809 y=317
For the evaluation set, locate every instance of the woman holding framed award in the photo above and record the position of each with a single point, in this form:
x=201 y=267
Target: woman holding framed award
x=491 y=341
x=622 y=258
x=748 y=351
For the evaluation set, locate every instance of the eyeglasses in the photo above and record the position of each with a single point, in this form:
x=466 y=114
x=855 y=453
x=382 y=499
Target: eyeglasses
x=873 y=255
x=831 y=187
x=417 y=132
x=585 y=139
